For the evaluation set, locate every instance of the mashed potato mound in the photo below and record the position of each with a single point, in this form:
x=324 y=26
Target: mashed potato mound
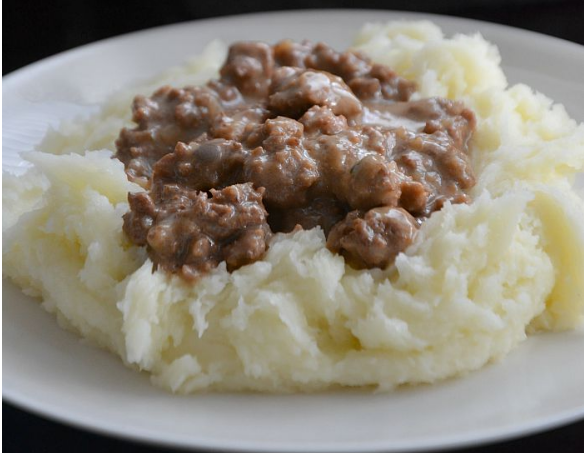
x=476 y=279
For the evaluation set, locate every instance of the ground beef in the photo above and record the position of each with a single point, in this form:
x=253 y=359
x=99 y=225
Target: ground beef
x=188 y=232
x=294 y=91
x=314 y=137
x=169 y=116
x=373 y=238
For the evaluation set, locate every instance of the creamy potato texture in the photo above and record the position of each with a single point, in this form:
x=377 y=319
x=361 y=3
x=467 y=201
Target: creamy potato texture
x=476 y=280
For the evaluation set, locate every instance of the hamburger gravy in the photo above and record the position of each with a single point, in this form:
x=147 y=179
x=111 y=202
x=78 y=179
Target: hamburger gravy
x=290 y=135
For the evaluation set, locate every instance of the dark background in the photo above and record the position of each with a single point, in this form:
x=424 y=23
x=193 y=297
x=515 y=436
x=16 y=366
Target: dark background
x=35 y=29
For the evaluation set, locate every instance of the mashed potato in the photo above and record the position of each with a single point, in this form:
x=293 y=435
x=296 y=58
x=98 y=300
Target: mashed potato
x=476 y=279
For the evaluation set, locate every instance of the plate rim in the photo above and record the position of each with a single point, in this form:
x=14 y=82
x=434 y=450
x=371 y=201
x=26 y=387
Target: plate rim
x=145 y=437
x=20 y=400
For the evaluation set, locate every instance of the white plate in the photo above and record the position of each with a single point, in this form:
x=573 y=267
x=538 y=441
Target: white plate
x=49 y=371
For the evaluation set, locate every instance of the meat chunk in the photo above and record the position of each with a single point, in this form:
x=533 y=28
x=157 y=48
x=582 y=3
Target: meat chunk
x=355 y=169
x=239 y=124
x=282 y=165
x=373 y=181
x=169 y=116
x=373 y=239
x=433 y=161
x=322 y=120
x=369 y=81
x=449 y=116
x=189 y=233
x=201 y=165
x=249 y=67
x=347 y=65
x=140 y=218
x=295 y=90
x=290 y=53
x=391 y=86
